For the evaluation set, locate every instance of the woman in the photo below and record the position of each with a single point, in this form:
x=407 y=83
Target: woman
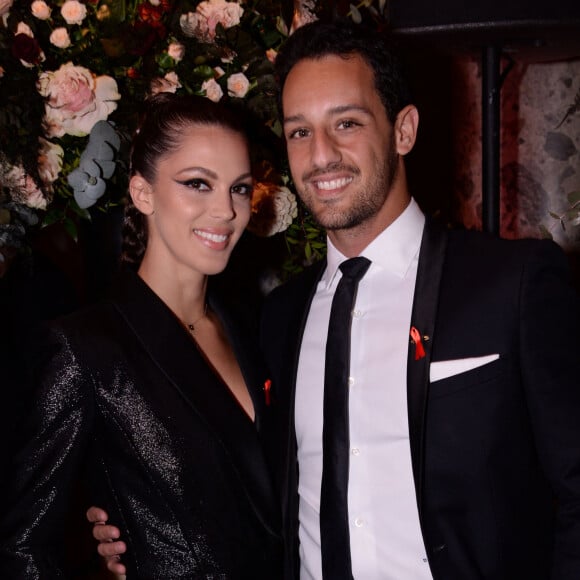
x=156 y=396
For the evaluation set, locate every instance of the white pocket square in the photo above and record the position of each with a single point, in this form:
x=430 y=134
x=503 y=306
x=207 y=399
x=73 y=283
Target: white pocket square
x=449 y=368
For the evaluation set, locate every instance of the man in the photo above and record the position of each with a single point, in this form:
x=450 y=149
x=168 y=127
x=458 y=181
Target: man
x=464 y=380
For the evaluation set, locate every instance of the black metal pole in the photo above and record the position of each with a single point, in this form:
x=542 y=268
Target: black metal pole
x=490 y=142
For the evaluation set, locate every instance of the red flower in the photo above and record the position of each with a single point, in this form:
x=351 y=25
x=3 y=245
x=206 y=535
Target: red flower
x=133 y=73
x=26 y=48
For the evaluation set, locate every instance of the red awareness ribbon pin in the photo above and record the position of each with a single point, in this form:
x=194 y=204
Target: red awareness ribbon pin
x=416 y=338
x=267 y=387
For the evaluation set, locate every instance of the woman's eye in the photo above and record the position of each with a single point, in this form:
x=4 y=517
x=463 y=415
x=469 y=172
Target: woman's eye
x=243 y=189
x=198 y=184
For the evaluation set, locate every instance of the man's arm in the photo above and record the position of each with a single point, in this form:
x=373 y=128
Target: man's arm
x=106 y=534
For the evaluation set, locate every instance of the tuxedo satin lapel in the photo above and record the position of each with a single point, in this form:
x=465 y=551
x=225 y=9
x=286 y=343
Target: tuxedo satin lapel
x=182 y=364
x=431 y=259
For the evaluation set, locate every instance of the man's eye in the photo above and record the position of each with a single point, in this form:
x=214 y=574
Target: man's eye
x=298 y=134
x=349 y=124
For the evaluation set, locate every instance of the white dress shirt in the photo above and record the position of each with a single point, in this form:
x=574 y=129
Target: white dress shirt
x=385 y=537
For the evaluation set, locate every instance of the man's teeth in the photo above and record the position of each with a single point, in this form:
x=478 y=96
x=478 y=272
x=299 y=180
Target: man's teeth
x=211 y=237
x=333 y=183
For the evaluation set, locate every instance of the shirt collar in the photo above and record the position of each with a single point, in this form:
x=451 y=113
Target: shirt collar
x=394 y=249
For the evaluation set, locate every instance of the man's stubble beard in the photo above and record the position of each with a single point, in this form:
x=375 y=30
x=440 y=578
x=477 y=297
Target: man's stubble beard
x=364 y=203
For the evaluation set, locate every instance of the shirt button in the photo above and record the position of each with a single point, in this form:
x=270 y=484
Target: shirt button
x=357 y=313
x=355 y=451
x=350 y=381
x=359 y=522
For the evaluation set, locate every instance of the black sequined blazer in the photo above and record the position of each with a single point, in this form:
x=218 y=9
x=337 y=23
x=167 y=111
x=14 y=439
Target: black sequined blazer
x=126 y=400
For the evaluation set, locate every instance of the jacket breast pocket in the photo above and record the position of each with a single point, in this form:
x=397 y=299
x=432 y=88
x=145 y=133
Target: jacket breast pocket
x=469 y=379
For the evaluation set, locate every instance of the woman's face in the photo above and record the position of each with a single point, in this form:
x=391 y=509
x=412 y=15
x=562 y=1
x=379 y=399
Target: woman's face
x=199 y=202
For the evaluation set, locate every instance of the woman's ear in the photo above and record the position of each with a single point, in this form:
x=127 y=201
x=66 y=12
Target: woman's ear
x=142 y=194
x=406 y=126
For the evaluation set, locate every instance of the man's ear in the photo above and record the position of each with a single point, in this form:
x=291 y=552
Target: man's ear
x=142 y=194
x=406 y=126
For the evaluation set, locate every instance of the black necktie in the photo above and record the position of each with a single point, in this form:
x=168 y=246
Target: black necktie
x=334 y=530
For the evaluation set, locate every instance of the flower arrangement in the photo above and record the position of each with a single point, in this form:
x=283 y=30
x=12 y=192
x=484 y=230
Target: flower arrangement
x=73 y=74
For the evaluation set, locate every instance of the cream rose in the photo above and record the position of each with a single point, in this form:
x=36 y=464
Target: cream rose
x=212 y=89
x=60 y=38
x=176 y=51
x=49 y=160
x=40 y=10
x=23 y=28
x=168 y=84
x=76 y=100
x=73 y=11
x=238 y=85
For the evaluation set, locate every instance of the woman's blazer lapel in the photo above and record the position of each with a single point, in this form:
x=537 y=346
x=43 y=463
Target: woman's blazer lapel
x=430 y=268
x=185 y=369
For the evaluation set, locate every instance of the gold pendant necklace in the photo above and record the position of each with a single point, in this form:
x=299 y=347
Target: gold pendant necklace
x=191 y=326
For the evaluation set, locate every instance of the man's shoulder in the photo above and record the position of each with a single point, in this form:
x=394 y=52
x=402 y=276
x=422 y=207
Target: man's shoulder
x=481 y=244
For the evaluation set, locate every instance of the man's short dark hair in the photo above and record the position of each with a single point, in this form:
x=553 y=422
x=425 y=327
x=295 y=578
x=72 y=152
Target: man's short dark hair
x=345 y=38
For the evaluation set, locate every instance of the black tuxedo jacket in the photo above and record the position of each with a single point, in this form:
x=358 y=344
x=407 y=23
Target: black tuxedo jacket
x=124 y=393
x=495 y=450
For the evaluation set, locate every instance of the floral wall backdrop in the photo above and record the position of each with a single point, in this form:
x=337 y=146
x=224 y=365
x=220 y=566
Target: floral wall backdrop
x=73 y=75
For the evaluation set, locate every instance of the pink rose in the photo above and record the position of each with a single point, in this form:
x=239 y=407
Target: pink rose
x=73 y=11
x=212 y=90
x=60 y=38
x=271 y=55
x=40 y=9
x=76 y=99
x=208 y=14
x=176 y=51
x=238 y=85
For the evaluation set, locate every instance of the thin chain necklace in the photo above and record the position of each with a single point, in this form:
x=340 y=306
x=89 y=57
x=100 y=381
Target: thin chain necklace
x=191 y=326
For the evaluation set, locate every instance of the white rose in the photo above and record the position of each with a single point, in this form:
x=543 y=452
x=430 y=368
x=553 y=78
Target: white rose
x=176 y=51
x=212 y=89
x=73 y=11
x=193 y=24
x=5 y=6
x=60 y=38
x=273 y=209
x=23 y=189
x=76 y=99
x=40 y=10
x=231 y=14
x=49 y=160
x=168 y=84
x=238 y=85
